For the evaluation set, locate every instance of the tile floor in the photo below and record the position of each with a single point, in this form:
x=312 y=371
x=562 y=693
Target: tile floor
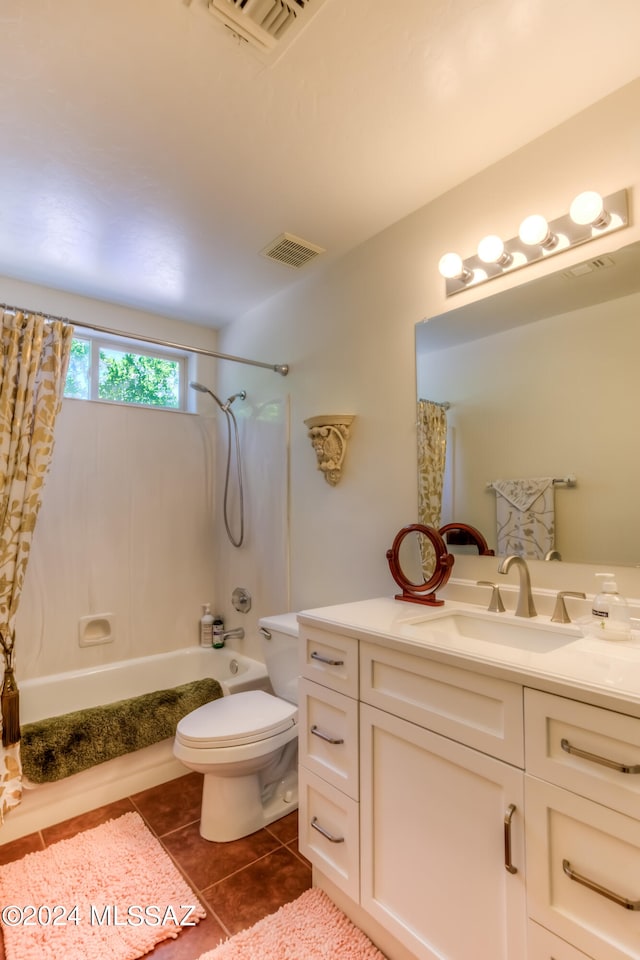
x=238 y=883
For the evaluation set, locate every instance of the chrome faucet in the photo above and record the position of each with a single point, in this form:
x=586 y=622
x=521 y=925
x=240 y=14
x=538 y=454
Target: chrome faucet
x=237 y=634
x=526 y=606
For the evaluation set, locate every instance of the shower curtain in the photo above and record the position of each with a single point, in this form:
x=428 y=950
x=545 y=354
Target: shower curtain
x=432 y=450
x=33 y=368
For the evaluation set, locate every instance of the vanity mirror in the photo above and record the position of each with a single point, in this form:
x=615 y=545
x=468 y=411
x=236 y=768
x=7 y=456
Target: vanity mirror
x=542 y=381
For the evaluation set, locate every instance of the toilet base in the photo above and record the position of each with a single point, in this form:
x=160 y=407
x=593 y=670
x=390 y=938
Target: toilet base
x=232 y=807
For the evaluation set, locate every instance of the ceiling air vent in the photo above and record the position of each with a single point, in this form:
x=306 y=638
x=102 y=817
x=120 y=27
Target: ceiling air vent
x=291 y=250
x=267 y=25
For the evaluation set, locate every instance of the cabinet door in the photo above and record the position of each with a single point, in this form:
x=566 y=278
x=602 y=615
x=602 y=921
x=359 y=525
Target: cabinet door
x=435 y=839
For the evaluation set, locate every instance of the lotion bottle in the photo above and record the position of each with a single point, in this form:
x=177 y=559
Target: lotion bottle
x=206 y=626
x=611 y=618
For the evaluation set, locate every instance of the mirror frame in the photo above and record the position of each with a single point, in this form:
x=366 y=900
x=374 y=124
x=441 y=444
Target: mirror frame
x=424 y=592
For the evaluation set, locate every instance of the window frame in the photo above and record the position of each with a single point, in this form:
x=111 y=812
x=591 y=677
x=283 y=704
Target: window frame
x=143 y=348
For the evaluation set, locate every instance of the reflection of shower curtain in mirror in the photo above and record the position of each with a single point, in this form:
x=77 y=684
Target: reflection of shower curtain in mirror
x=432 y=449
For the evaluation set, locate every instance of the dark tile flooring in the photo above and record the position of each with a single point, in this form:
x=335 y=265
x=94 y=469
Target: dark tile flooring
x=238 y=883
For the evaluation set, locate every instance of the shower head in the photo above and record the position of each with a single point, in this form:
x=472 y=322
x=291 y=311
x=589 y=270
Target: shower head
x=202 y=389
x=242 y=395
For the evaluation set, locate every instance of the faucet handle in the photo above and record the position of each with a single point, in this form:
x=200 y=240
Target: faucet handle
x=560 y=614
x=495 y=603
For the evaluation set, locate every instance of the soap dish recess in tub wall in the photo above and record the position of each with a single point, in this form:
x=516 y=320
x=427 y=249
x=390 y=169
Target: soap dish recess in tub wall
x=96 y=629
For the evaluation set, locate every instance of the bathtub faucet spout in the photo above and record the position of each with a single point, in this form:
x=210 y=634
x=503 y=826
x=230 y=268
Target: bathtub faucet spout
x=237 y=634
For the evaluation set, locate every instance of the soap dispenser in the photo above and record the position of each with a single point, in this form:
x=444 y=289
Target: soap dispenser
x=206 y=626
x=610 y=615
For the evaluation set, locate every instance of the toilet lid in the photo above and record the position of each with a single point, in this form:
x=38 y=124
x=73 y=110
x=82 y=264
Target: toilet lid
x=236 y=719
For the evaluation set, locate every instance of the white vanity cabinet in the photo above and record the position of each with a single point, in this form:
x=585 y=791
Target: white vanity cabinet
x=583 y=826
x=469 y=809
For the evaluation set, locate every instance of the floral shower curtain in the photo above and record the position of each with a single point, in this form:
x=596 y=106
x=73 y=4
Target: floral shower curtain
x=432 y=450
x=33 y=368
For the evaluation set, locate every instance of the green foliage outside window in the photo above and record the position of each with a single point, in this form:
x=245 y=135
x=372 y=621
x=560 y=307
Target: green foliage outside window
x=77 y=384
x=122 y=377
x=136 y=378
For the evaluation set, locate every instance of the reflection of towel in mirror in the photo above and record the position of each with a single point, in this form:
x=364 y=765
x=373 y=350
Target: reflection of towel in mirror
x=525 y=517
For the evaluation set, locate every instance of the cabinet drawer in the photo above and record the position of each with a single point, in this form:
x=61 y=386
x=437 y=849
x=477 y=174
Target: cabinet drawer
x=329 y=659
x=578 y=852
x=542 y=945
x=328 y=736
x=590 y=750
x=328 y=826
x=482 y=712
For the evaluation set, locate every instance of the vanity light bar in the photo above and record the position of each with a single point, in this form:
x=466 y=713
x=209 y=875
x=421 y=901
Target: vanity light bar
x=590 y=216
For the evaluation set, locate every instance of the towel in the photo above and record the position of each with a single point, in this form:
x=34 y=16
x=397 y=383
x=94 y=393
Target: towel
x=525 y=517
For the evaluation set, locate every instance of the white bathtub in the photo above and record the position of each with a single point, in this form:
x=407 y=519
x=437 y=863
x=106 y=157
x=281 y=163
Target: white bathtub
x=49 y=803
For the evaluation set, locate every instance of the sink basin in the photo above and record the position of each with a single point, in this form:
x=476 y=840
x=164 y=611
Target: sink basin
x=526 y=635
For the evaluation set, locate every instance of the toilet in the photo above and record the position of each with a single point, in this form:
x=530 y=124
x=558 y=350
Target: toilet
x=246 y=744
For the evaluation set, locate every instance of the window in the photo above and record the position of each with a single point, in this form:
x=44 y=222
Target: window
x=110 y=370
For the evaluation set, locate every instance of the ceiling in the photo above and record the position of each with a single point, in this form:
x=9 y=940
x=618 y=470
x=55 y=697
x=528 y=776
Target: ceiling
x=148 y=157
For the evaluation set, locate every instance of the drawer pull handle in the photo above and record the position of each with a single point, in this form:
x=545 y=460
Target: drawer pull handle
x=613 y=764
x=325 y=833
x=509 y=867
x=332 y=663
x=597 y=888
x=325 y=736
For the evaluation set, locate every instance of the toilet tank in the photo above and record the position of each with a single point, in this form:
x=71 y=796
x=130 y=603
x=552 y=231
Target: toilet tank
x=280 y=648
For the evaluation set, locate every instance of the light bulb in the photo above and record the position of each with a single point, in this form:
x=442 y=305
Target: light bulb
x=491 y=250
x=534 y=231
x=588 y=210
x=452 y=267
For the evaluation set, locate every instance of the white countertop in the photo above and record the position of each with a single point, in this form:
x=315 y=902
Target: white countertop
x=559 y=660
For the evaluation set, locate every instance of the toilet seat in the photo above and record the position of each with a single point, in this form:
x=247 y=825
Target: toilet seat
x=239 y=719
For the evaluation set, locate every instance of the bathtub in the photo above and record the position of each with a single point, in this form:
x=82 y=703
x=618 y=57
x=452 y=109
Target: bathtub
x=48 y=803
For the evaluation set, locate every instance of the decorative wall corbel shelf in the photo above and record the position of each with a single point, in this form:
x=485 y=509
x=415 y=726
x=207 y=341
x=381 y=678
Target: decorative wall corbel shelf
x=329 y=435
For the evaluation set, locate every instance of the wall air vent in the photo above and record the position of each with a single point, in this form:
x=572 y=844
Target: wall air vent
x=291 y=250
x=589 y=266
x=268 y=26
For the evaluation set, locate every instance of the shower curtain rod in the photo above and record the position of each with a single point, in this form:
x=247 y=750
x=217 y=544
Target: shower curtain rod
x=281 y=368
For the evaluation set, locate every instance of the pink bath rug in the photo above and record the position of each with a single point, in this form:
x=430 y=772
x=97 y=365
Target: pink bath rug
x=110 y=893
x=309 y=928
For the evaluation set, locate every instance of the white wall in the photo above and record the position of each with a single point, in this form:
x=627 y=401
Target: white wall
x=348 y=333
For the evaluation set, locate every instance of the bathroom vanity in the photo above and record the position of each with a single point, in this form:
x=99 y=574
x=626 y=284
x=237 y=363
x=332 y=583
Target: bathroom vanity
x=470 y=781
